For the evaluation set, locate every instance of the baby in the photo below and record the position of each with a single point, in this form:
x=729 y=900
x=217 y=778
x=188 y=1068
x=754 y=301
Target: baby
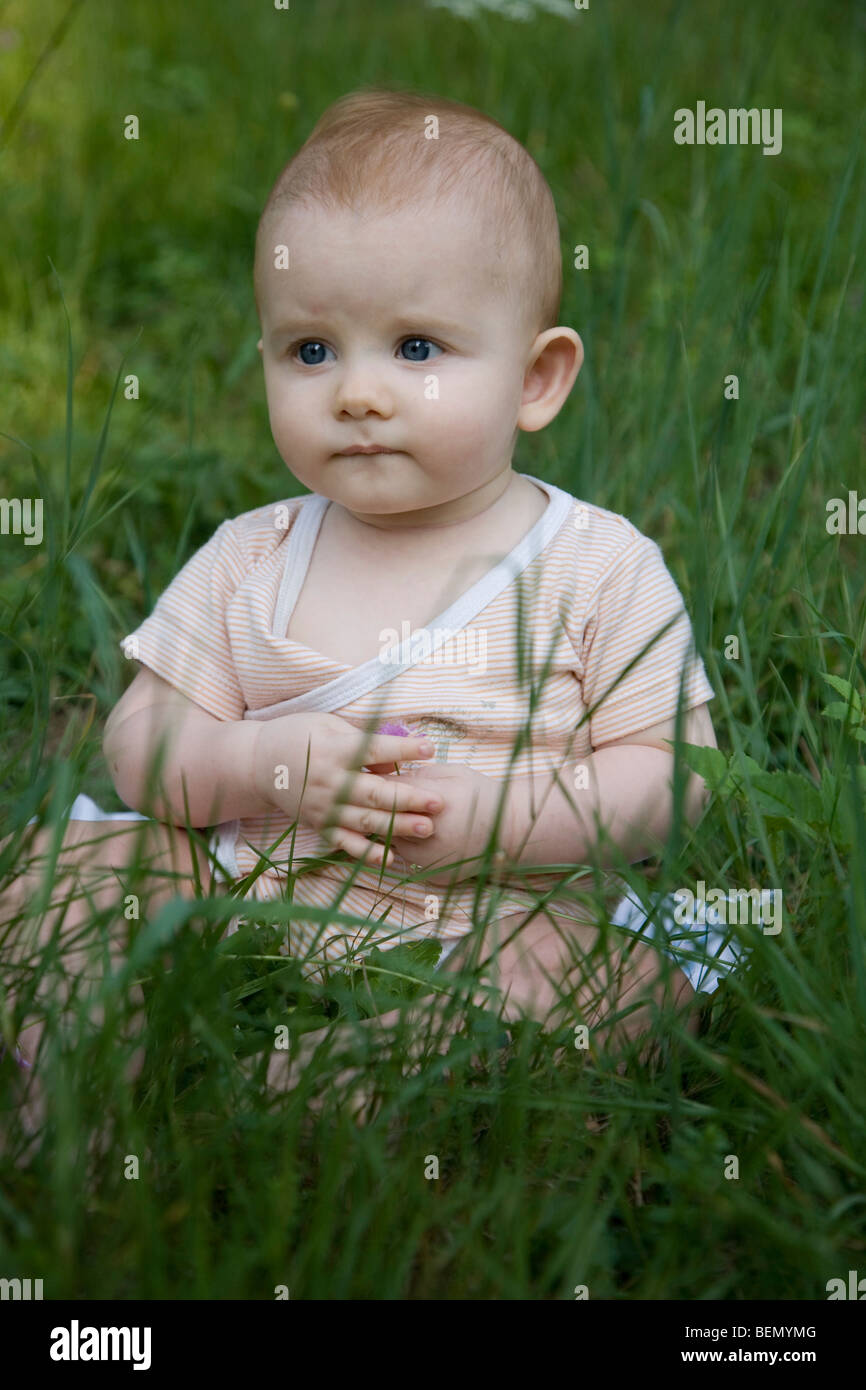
x=422 y=596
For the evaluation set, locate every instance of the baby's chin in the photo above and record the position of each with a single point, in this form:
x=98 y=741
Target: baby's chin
x=385 y=483
x=390 y=486
x=373 y=476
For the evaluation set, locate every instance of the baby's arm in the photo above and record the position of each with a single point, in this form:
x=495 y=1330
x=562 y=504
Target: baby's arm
x=212 y=758
x=227 y=769
x=553 y=819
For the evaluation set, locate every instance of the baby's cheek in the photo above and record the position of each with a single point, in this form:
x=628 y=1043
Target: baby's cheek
x=469 y=437
x=462 y=422
x=288 y=424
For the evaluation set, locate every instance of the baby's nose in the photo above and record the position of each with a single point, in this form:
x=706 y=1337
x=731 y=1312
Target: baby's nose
x=361 y=391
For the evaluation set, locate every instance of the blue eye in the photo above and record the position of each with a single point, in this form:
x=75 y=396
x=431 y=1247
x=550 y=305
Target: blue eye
x=312 y=353
x=424 y=344
x=317 y=348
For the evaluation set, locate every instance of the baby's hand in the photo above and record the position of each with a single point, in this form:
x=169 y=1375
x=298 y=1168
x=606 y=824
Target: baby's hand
x=323 y=783
x=463 y=828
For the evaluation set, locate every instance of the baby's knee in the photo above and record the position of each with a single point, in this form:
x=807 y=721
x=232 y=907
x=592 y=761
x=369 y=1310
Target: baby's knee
x=108 y=854
x=648 y=986
x=170 y=858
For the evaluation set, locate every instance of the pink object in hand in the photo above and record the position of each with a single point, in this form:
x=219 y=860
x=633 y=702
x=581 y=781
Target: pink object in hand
x=392 y=726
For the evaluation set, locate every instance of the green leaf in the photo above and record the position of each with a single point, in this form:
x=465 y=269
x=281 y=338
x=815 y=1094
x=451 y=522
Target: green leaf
x=400 y=972
x=789 y=795
x=844 y=824
x=708 y=763
x=844 y=688
x=838 y=711
x=735 y=781
x=252 y=940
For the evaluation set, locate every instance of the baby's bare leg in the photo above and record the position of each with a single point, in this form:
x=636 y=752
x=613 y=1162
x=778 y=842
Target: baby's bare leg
x=547 y=971
x=555 y=970
x=89 y=876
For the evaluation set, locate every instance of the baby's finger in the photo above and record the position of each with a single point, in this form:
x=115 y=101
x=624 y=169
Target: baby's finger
x=369 y=822
x=386 y=750
x=381 y=769
x=358 y=846
x=387 y=794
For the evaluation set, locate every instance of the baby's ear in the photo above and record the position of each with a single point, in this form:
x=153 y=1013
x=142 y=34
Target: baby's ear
x=259 y=345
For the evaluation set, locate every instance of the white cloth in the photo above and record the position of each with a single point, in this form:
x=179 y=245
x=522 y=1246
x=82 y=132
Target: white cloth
x=703 y=955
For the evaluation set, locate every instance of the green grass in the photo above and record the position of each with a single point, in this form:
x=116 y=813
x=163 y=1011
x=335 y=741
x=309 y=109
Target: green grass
x=556 y=1169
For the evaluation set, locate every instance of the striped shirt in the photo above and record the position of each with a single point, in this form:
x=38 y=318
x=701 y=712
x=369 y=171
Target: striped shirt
x=576 y=639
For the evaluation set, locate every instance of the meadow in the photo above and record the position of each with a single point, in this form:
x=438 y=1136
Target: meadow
x=557 y=1168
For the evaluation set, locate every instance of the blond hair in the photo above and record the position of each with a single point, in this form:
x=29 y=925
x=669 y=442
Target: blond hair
x=370 y=148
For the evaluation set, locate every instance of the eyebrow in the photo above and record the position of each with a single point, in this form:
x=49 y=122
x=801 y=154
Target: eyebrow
x=445 y=328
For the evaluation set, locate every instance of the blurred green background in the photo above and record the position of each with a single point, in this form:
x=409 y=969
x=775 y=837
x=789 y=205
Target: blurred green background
x=703 y=262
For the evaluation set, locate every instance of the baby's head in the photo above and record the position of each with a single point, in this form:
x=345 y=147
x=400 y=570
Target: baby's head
x=417 y=310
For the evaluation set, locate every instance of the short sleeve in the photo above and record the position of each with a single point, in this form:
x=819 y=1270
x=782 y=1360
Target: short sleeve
x=637 y=647
x=186 y=640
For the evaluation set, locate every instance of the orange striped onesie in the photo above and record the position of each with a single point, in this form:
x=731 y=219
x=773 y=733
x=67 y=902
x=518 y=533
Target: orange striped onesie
x=586 y=589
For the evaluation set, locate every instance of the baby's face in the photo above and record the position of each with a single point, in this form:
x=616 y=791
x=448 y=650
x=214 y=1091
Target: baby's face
x=389 y=330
